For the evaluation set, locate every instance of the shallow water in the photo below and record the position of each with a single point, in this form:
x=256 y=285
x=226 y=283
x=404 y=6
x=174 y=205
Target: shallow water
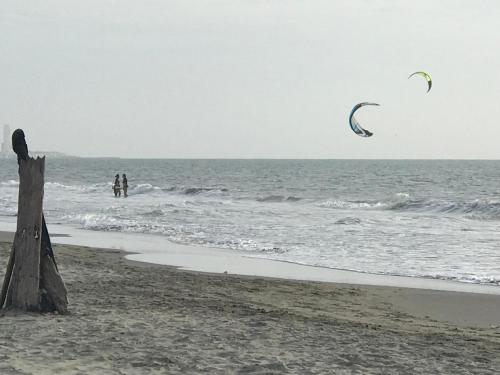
x=434 y=219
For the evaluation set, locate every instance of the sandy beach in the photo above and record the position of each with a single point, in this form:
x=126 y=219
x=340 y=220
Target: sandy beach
x=136 y=318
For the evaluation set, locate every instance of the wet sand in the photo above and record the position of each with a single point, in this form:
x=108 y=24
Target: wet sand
x=158 y=250
x=137 y=318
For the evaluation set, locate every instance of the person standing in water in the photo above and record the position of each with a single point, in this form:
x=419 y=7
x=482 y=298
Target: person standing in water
x=125 y=185
x=116 y=186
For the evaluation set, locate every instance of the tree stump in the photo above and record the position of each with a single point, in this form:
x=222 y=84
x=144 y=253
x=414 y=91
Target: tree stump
x=32 y=282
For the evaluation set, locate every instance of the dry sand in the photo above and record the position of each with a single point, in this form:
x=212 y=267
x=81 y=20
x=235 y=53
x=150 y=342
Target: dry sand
x=136 y=318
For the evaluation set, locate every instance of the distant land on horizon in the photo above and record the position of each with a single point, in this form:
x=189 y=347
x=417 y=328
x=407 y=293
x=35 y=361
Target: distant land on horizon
x=56 y=154
x=51 y=154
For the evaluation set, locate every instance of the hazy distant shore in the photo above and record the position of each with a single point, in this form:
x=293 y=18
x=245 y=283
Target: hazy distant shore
x=137 y=318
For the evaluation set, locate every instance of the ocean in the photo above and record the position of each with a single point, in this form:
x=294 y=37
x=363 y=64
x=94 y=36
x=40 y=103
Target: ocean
x=425 y=218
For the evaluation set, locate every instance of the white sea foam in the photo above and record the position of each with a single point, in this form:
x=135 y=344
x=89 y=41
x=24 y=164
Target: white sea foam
x=376 y=217
x=10 y=183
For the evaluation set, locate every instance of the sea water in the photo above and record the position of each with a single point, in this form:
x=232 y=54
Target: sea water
x=436 y=219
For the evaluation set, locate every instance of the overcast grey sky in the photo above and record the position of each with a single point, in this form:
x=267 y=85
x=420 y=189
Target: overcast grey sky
x=252 y=78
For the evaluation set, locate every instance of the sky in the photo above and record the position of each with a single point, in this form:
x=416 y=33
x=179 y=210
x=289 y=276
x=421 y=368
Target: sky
x=252 y=78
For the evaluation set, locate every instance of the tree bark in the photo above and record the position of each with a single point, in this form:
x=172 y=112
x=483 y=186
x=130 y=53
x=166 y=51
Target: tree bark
x=23 y=288
x=52 y=282
x=7 y=277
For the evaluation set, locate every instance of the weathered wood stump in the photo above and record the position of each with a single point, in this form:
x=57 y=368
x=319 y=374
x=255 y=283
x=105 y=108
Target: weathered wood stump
x=32 y=281
x=25 y=278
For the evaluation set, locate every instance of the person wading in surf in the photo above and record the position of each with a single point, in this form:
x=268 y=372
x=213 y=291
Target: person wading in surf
x=116 y=186
x=125 y=185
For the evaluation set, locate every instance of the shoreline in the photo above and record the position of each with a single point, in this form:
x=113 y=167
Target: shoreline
x=426 y=302
x=128 y=317
x=155 y=249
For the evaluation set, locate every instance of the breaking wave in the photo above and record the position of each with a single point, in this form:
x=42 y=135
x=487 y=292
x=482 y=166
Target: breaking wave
x=10 y=183
x=482 y=209
x=341 y=214
x=198 y=190
x=348 y=221
x=99 y=188
x=278 y=198
x=142 y=189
